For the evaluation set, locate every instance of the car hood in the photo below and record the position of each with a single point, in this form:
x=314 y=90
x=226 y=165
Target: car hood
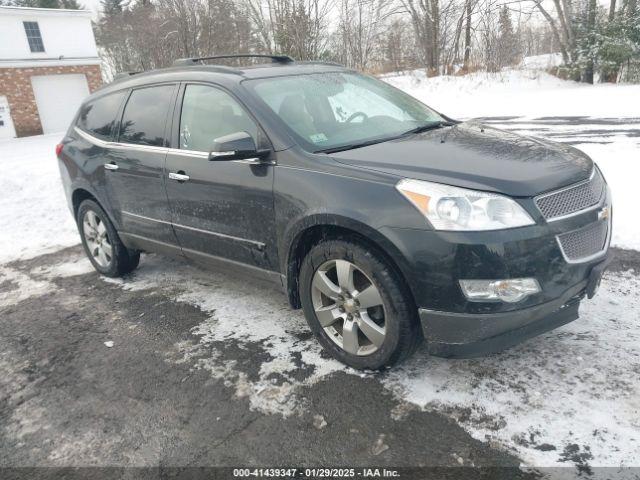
x=475 y=156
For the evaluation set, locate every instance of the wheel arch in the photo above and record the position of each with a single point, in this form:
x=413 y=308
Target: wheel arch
x=313 y=230
x=80 y=194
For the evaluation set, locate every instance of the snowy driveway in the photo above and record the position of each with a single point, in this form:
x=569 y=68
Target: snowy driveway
x=207 y=368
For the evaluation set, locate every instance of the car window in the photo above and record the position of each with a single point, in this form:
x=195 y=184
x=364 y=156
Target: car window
x=209 y=113
x=334 y=109
x=145 y=116
x=99 y=116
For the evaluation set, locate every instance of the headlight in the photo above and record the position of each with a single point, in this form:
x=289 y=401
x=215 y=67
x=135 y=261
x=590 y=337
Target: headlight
x=454 y=208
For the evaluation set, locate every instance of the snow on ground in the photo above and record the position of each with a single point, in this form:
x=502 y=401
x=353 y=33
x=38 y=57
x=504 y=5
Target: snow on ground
x=568 y=397
x=602 y=120
x=34 y=217
x=542 y=62
x=571 y=395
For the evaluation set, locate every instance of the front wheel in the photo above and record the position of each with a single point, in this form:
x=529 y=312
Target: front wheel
x=357 y=306
x=101 y=242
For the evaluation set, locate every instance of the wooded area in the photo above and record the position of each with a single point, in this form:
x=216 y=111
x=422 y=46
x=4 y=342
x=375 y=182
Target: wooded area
x=597 y=41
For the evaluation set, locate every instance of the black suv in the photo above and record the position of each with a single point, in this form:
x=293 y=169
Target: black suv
x=386 y=221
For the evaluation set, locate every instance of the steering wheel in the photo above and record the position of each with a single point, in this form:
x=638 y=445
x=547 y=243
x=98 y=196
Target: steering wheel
x=355 y=115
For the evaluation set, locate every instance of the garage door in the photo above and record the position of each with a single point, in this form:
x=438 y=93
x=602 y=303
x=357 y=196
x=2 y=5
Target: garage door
x=58 y=98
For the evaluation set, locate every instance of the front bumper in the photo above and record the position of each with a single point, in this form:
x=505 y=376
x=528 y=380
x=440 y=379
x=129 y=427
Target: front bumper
x=471 y=335
x=452 y=325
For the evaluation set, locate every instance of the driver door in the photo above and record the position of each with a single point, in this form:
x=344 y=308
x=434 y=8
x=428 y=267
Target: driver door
x=219 y=209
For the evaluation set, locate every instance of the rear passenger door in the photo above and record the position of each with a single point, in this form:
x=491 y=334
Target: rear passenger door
x=135 y=168
x=223 y=208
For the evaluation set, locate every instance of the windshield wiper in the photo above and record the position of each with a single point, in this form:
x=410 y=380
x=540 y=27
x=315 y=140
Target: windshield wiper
x=428 y=126
x=351 y=146
x=421 y=128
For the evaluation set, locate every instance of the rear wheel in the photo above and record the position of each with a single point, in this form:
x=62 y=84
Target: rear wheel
x=101 y=242
x=357 y=306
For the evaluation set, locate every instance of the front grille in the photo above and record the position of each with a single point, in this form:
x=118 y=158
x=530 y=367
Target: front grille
x=585 y=243
x=572 y=199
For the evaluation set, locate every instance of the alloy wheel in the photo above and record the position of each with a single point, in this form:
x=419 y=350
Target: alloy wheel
x=95 y=234
x=349 y=307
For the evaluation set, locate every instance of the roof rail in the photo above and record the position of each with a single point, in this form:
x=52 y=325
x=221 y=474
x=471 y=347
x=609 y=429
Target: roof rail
x=121 y=75
x=194 y=61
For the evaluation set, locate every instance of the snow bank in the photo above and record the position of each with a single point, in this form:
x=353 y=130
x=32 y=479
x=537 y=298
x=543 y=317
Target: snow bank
x=34 y=218
x=541 y=62
x=520 y=93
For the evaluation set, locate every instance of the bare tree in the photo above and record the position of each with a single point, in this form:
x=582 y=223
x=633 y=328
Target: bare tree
x=360 y=30
x=425 y=16
x=298 y=27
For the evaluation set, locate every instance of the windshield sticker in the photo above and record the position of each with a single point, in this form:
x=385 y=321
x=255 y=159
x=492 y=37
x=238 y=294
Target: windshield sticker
x=318 y=137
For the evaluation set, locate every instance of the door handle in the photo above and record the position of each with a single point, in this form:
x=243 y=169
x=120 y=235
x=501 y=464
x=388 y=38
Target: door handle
x=110 y=166
x=179 y=176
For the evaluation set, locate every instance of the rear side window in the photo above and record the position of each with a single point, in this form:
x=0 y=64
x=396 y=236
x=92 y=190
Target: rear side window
x=145 y=115
x=99 y=116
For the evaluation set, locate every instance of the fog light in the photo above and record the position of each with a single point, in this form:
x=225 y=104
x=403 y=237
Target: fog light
x=510 y=290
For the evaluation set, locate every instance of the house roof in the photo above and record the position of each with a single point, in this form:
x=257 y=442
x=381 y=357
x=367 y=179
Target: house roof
x=33 y=12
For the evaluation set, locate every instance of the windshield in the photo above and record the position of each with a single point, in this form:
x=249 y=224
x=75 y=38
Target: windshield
x=337 y=110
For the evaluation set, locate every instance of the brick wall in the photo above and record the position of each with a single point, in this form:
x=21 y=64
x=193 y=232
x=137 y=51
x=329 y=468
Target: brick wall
x=15 y=84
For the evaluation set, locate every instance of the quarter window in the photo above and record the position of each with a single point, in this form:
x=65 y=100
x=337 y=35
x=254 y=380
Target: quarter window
x=209 y=113
x=33 y=36
x=99 y=116
x=145 y=115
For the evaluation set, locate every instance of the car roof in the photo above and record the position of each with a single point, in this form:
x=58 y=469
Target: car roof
x=217 y=73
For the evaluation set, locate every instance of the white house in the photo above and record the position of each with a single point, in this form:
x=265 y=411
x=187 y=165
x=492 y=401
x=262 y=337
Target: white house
x=48 y=63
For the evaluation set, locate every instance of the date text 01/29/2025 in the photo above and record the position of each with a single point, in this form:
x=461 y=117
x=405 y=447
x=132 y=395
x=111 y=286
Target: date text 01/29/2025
x=315 y=473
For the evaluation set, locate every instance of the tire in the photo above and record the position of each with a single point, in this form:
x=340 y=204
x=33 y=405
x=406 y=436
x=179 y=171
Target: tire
x=396 y=316
x=99 y=235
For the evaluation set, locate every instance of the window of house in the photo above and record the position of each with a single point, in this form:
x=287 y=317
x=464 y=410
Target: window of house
x=98 y=117
x=33 y=36
x=145 y=116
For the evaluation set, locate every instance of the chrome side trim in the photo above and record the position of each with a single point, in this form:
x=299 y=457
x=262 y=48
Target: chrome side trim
x=260 y=245
x=221 y=235
x=90 y=138
x=142 y=217
x=170 y=151
x=117 y=145
x=188 y=153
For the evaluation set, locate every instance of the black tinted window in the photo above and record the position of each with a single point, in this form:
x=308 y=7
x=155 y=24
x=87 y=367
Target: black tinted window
x=145 y=116
x=98 y=117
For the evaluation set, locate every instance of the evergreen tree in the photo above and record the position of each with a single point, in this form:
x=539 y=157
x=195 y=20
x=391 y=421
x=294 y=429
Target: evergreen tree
x=112 y=7
x=508 y=48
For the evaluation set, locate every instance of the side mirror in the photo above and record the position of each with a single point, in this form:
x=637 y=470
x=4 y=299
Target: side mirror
x=236 y=146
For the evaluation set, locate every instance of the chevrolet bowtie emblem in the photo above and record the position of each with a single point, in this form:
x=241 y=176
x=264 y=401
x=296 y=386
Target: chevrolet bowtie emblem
x=603 y=213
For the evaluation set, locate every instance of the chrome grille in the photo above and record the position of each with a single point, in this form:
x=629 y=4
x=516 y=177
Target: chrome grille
x=586 y=243
x=572 y=199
